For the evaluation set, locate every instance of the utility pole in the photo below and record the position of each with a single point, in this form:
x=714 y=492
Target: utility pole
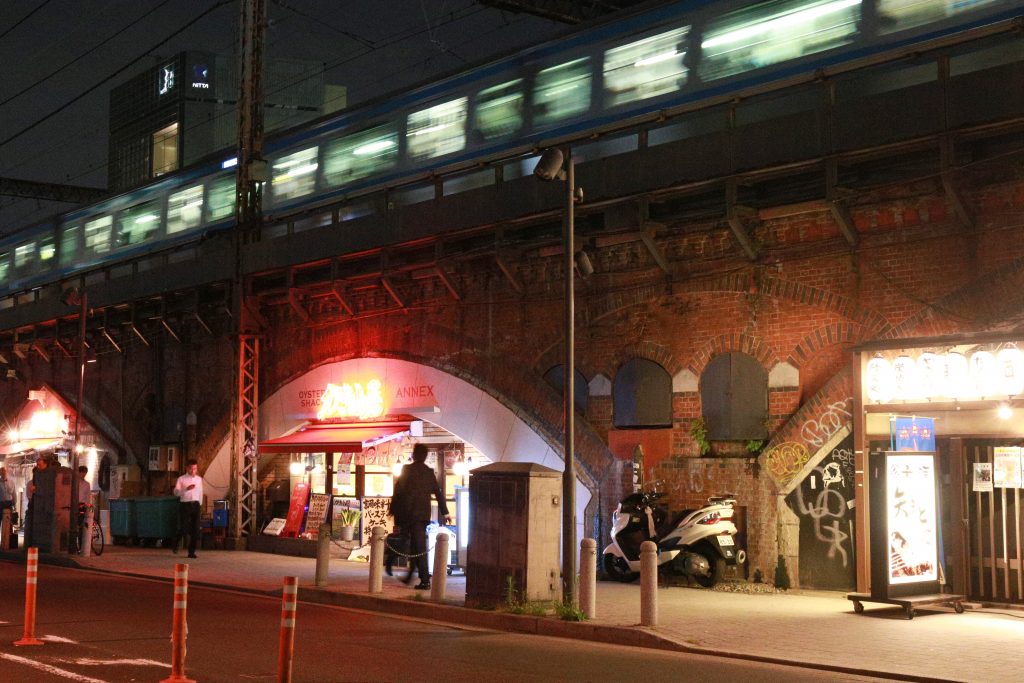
x=252 y=174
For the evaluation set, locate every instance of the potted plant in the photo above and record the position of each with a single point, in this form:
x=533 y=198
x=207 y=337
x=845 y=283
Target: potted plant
x=348 y=519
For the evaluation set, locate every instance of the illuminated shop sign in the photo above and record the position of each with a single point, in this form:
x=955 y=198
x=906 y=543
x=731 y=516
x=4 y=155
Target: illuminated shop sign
x=947 y=376
x=910 y=513
x=43 y=424
x=201 y=76
x=353 y=400
x=165 y=79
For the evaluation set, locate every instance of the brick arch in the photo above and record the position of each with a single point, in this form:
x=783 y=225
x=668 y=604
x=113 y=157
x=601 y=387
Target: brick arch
x=744 y=343
x=651 y=351
x=872 y=322
x=824 y=336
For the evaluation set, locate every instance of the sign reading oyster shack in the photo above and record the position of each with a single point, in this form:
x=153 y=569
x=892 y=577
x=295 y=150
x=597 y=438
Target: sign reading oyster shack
x=353 y=400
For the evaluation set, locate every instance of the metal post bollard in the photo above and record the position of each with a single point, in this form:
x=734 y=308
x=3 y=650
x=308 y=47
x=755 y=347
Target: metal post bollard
x=323 y=554
x=31 y=576
x=377 y=559
x=588 y=577
x=648 y=584
x=5 y=530
x=439 y=581
x=179 y=626
x=286 y=646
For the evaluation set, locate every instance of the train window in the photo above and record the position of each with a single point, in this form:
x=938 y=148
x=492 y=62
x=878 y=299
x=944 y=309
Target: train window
x=360 y=155
x=294 y=174
x=773 y=32
x=69 y=237
x=437 y=130
x=5 y=265
x=138 y=223
x=900 y=15
x=24 y=256
x=184 y=209
x=47 y=250
x=647 y=68
x=561 y=92
x=499 y=110
x=221 y=199
x=97 y=235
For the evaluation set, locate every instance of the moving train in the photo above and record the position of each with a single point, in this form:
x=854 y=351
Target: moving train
x=665 y=60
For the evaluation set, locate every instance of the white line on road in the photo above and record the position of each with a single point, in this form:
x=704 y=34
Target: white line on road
x=71 y=675
x=85 y=661
x=57 y=639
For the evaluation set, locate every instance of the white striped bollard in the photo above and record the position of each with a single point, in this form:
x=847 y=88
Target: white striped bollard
x=289 y=598
x=31 y=576
x=377 y=537
x=179 y=626
x=588 y=577
x=648 y=584
x=440 y=578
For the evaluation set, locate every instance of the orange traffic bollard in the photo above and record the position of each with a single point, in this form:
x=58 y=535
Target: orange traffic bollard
x=31 y=576
x=289 y=596
x=179 y=627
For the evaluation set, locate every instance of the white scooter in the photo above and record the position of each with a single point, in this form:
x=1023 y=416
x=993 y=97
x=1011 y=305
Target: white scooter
x=698 y=543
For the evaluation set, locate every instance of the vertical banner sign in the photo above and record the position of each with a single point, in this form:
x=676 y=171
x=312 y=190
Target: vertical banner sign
x=912 y=519
x=915 y=434
x=296 y=511
x=319 y=503
x=1006 y=467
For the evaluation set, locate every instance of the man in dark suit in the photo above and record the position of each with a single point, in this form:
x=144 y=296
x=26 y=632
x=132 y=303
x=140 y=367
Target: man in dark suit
x=410 y=507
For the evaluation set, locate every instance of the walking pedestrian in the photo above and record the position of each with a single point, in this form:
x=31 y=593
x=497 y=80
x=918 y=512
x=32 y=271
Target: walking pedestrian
x=410 y=507
x=189 y=489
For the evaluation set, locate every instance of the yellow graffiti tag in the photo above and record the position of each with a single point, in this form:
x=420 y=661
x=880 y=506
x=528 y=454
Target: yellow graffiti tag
x=785 y=460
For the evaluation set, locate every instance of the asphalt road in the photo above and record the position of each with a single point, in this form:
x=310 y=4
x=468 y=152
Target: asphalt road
x=105 y=628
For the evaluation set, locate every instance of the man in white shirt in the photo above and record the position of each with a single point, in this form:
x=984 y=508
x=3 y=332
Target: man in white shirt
x=189 y=489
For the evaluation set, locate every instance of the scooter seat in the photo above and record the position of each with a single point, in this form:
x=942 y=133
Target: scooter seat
x=672 y=522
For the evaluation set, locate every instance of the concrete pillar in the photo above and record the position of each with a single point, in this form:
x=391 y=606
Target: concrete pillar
x=377 y=537
x=5 y=530
x=588 y=577
x=648 y=584
x=439 y=582
x=323 y=554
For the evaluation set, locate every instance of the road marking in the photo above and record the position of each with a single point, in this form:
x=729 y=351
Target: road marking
x=85 y=661
x=71 y=675
x=57 y=639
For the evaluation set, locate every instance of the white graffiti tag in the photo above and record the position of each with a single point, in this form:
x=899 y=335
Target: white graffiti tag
x=817 y=431
x=827 y=511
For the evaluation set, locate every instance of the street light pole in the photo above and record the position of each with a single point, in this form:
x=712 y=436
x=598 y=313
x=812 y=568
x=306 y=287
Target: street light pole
x=557 y=164
x=73 y=530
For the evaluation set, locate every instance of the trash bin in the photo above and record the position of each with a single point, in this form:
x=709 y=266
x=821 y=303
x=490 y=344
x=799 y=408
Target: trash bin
x=122 y=520
x=220 y=514
x=156 y=518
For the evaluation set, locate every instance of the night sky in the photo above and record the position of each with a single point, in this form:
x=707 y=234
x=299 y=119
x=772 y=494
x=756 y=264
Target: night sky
x=370 y=46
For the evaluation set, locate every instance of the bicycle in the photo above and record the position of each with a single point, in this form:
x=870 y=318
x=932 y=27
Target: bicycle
x=96 y=541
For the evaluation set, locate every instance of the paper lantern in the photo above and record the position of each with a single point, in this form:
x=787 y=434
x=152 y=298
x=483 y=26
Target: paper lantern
x=982 y=372
x=955 y=377
x=1010 y=371
x=878 y=380
x=930 y=372
x=904 y=378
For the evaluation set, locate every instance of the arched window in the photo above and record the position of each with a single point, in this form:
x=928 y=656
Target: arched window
x=642 y=395
x=734 y=398
x=554 y=377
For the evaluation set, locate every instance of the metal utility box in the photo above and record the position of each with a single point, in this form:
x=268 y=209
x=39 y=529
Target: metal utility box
x=220 y=514
x=515 y=527
x=122 y=520
x=49 y=518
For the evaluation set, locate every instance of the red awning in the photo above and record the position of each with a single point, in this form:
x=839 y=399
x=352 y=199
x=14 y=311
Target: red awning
x=333 y=438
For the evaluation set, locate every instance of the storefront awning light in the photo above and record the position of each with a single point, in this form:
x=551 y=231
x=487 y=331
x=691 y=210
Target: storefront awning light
x=950 y=376
x=1011 y=373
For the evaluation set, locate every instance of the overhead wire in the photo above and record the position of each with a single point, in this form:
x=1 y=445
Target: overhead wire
x=25 y=18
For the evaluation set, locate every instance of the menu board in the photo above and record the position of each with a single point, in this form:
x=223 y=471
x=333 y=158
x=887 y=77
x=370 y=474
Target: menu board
x=1006 y=467
x=296 y=511
x=911 y=516
x=319 y=504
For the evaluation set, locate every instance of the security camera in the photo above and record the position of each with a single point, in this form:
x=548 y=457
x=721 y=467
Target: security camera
x=550 y=165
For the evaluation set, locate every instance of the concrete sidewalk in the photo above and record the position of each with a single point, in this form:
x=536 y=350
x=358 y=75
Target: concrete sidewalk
x=809 y=629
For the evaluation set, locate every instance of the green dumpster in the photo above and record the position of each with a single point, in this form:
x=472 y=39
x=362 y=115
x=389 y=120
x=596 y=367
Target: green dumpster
x=122 y=520
x=156 y=518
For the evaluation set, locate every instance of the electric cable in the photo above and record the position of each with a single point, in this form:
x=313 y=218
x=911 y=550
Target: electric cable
x=25 y=18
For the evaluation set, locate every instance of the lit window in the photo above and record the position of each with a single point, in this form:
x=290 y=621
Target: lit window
x=165 y=150
x=647 y=68
x=184 y=209
x=5 y=265
x=46 y=250
x=69 y=237
x=221 y=197
x=295 y=174
x=24 y=255
x=774 y=32
x=360 y=155
x=562 y=91
x=499 y=110
x=138 y=223
x=899 y=15
x=97 y=235
x=437 y=131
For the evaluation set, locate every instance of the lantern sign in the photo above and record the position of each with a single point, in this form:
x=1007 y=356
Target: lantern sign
x=904 y=377
x=983 y=374
x=878 y=380
x=954 y=376
x=1010 y=371
x=929 y=373
x=352 y=400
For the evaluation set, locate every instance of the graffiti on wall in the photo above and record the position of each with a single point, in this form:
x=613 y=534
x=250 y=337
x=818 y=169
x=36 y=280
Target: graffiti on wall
x=783 y=461
x=824 y=503
x=819 y=429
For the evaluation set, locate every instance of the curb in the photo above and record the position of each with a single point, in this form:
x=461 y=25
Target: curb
x=457 y=616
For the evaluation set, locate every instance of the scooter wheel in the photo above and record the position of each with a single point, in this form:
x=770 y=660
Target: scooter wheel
x=617 y=569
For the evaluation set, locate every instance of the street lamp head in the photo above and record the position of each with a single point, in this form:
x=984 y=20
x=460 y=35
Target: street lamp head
x=551 y=165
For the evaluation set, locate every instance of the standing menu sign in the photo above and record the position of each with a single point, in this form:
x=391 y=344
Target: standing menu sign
x=904 y=528
x=319 y=503
x=296 y=511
